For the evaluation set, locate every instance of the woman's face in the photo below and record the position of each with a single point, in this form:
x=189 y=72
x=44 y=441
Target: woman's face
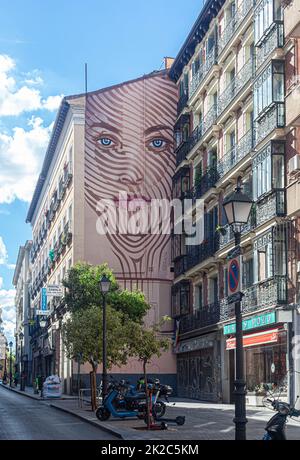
x=129 y=141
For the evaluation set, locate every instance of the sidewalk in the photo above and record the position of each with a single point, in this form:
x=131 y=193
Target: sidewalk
x=204 y=421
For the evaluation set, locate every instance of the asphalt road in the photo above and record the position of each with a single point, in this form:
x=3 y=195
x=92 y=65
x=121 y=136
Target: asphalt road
x=22 y=418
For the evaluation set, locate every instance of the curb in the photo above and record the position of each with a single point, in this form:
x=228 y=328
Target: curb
x=114 y=432
x=22 y=393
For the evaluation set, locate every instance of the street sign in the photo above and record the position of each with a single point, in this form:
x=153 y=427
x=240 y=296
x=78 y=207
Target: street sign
x=44 y=304
x=234 y=275
x=55 y=290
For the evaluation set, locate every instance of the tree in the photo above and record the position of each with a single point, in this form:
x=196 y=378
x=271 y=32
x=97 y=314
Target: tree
x=82 y=334
x=145 y=344
x=83 y=291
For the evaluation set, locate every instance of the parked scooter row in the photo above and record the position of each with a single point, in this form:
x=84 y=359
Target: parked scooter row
x=125 y=400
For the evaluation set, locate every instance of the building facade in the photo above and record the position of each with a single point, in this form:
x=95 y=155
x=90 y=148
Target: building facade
x=233 y=124
x=3 y=350
x=21 y=282
x=118 y=139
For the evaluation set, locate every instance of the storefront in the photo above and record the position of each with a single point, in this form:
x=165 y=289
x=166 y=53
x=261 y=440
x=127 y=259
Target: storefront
x=199 y=368
x=265 y=345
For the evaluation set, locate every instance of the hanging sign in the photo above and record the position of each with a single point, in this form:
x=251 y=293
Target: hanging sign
x=55 y=290
x=44 y=304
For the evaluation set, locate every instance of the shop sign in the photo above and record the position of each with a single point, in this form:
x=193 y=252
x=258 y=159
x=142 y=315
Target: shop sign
x=261 y=338
x=44 y=304
x=195 y=344
x=55 y=290
x=252 y=323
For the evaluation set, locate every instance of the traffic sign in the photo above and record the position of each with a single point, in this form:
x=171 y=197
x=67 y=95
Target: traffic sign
x=234 y=275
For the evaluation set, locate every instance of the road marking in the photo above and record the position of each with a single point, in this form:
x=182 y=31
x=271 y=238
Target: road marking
x=227 y=430
x=204 y=424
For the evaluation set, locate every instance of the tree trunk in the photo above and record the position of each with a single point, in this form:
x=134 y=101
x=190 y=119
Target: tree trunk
x=147 y=396
x=93 y=390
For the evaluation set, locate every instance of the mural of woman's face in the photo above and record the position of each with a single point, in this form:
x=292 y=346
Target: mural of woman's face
x=129 y=148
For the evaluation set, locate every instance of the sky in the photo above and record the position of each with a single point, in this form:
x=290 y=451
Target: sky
x=44 y=45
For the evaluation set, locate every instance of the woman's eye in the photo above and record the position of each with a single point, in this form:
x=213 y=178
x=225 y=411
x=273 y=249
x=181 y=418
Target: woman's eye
x=105 y=141
x=157 y=143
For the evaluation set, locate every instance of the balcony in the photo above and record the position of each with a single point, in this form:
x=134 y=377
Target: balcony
x=234 y=24
x=67 y=174
x=205 y=250
x=272 y=205
x=205 y=316
x=180 y=265
x=272 y=118
x=236 y=154
x=207 y=181
x=292 y=18
x=266 y=294
x=235 y=86
x=182 y=152
x=183 y=99
x=204 y=125
x=269 y=43
x=229 y=235
x=205 y=67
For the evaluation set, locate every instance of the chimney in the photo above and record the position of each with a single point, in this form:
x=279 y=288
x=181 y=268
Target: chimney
x=168 y=62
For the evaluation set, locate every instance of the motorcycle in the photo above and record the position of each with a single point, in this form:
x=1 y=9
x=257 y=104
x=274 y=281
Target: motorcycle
x=276 y=426
x=123 y=400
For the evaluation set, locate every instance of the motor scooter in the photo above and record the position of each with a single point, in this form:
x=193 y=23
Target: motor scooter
x=122 y=403
x=276 y=426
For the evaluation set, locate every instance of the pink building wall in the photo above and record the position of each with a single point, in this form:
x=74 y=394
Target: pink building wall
x=129 y=148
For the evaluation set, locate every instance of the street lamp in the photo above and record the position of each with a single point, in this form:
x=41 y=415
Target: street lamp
x=237 y=209
x=104 y=284
x=10 y=363
x=22 y=386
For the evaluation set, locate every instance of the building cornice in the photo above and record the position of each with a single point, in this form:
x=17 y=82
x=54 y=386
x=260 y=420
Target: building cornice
x=209 y=11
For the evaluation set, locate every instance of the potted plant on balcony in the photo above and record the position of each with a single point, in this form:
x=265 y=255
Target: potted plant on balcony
x=220 y=229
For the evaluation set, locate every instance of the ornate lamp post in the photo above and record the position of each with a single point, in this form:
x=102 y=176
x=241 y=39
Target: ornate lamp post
x=22 y=386
x=237 y=209
x=10 y=363
x=104 y=284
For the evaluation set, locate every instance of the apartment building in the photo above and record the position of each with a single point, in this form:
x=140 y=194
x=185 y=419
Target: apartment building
x=117 y=139
x=21 y=282
x=3 y=349
x=232 y=125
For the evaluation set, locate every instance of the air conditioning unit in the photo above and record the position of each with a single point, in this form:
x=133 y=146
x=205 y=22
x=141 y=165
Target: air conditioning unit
x=294 y=164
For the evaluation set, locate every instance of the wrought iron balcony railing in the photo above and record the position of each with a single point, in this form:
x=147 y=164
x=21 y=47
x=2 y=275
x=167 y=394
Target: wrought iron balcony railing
x=229 y=235
x=272 y=205
x=236 y=85
x=182 y=151
x=272 y=118
x=236 y=154
x=182 y=102
x=204 y=125
x=234 y=23
x=274 y=39
x=210 y=60
x=207 y=181
x=203 y=251
x=205 y=316
x=266 y=294
x=180 y=265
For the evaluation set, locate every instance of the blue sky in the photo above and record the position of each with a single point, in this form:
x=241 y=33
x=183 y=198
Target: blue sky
x=43 y=48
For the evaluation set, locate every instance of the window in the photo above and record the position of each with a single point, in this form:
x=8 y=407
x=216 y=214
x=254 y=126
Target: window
x=248 y=275
x=264 y=17
x=213 y=290
x=198 y=296
x=269 y=87
x=268 y=169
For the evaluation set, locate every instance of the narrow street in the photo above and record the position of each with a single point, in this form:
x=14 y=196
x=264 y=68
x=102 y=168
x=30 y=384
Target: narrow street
x=22 y=418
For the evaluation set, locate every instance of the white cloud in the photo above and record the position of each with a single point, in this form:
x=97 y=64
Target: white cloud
x=1 y=282
x=21 y=157
x=17 y=97
x=3 y=252
x=7 y=308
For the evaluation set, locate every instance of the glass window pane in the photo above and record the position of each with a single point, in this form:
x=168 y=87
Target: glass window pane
x=278 y=87
x=278 y=171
